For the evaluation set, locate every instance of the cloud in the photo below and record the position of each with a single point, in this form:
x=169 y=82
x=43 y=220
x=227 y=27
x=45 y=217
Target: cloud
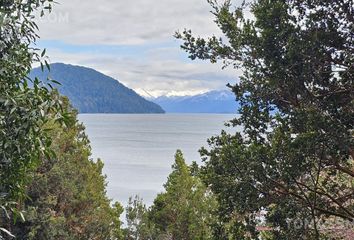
x=157 y=76
x=133 y=42
x=117 y=22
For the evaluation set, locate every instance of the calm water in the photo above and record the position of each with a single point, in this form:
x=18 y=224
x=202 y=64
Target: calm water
x=138 y=150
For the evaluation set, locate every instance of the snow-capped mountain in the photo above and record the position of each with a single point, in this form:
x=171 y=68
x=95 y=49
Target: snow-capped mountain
x=211 y=102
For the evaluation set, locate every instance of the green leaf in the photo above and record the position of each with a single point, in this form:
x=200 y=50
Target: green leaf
x=56 y=82
x=43 y=53
x=47 y=64
x=7 y=232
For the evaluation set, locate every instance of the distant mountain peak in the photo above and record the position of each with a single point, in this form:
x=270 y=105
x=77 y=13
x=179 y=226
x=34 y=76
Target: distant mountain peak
x=216 y=101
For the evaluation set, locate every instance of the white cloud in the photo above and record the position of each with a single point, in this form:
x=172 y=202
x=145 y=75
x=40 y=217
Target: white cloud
x=158 y=76
x=159 y=69
x=119 y=22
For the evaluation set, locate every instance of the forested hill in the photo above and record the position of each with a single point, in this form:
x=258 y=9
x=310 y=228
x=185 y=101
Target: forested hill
x=93 y=92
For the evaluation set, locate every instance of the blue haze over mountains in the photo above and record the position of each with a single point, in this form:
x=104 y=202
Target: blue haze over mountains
x=222 y=101
x=93 y=92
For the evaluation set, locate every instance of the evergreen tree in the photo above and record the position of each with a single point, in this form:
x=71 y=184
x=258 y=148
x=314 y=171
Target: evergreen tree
x=138 y=225
x=185 y=210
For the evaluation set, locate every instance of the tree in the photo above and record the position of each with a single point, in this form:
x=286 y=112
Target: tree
x=23 y=110
x=67 y=196
x=185 y=210
x=49 y=187
x=294 y=158
x=138 y=225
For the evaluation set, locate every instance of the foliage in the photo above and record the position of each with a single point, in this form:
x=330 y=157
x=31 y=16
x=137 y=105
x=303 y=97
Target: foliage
x=67 y=197
x=184 y=211
x=138 y=224
x=23 y=110
x=46 y=176
x=294 y=159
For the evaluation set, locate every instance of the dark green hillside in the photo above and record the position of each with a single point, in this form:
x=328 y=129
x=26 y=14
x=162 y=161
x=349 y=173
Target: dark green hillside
x=93 y=92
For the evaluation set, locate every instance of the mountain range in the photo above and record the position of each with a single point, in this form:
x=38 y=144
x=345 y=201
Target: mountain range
x=93 y=92
x=222 y=101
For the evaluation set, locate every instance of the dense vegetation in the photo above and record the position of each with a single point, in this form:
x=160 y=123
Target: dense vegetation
x=49 y=188
x=293 y=163
x=66 y=198
x=184 y=211
x=23 y=111
x=92 y=92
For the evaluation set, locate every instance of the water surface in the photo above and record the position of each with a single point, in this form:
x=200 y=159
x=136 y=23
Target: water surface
x=138 y=149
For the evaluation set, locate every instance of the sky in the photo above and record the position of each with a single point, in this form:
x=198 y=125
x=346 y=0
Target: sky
x=133 y=42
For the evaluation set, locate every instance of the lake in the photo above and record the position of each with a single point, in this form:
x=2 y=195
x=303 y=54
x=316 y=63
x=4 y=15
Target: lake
x=138 y=149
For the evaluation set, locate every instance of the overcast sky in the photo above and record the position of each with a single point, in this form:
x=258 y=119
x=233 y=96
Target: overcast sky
x=133 y=42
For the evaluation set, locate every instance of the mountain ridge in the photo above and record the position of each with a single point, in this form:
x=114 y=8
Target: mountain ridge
x=216 y=101
x=93 y=92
